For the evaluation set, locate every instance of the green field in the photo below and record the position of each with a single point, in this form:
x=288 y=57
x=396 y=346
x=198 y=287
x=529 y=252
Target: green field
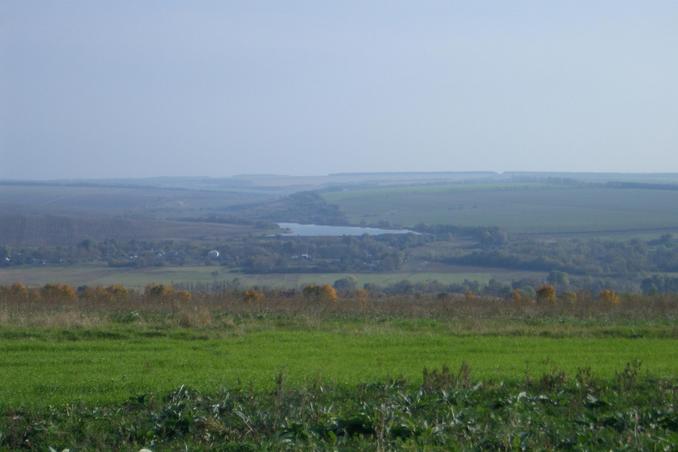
x=139 y=277
x=111 y=364
x=516 y=208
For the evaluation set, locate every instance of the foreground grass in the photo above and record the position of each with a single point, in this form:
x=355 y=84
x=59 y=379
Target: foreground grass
x=296 y=374
x=447 y=411
x=109 y=363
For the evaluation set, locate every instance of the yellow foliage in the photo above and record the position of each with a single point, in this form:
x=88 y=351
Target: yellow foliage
x=16 y=291
x=570 y=297
x=517 y=296
x=252 y=295
x=321 y=293
x=546 y=293
x=609 y=296
x=328 y=293
x=158 y=291
x=58 y=292
x=184 y=296
x=118 y=292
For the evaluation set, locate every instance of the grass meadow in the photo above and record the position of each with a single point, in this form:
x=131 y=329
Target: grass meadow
x=110 y=365
x=169 y=370
x=98 y=275
x=106 y=347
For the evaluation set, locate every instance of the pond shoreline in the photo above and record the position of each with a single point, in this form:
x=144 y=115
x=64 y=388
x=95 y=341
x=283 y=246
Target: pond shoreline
x=318 y=230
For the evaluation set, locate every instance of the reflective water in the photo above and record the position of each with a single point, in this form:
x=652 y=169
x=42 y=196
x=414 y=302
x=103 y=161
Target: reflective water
x=320 y=230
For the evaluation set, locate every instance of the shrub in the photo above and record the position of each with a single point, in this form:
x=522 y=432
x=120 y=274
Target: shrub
x=184 y=296
x=517 y=296
x=346 y=285
x=16 y=291
x=609 y=296
x=118 y=292
x=546 y=294
x=570 y=297
x=251 y=296
x=320 y=293
x=58 y=292
x=328 y=293
x=158 y=291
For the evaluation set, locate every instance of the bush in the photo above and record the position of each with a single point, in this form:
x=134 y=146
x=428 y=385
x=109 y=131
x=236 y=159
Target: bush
x=609 y=296
x=320 y=293
x=58 y=292
x=158 y=291
x=546 y=294
x=251 y=296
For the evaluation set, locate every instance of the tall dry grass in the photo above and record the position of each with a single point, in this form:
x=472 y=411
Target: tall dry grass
x=23 y=307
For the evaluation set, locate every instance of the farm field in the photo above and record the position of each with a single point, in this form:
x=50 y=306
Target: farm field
x=139 y=277
x=111 y=364
x=535 y=208
x=115 y=200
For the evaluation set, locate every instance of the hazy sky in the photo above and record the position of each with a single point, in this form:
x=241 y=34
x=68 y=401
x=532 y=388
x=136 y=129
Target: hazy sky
x=148 y=88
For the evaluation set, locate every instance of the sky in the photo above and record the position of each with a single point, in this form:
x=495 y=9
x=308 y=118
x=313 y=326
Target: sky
x=99 y=89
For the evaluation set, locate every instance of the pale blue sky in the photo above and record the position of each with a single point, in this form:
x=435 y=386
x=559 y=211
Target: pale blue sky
x=148 y=88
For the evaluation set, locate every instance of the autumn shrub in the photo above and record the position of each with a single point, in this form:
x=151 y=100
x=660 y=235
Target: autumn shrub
x=517 y=296
x=609 y=296
x=470 y=296
x=118 y=292
x=569 y=297
x=16 y=291
x=158 y=292
x=183 y=296
x=546 y=294
x=252 y=295
x=320 y=293
x=58 y=292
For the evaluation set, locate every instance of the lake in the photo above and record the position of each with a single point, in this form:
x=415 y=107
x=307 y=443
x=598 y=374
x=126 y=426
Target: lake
x=320 y=230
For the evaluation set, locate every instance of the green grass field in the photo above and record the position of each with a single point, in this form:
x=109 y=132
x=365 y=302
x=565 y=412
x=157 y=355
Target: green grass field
x=40 y=367
x=516 y=208
x=139 y=277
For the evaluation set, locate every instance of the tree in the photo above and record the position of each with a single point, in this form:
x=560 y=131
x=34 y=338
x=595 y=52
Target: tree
x=251 y=296
x=346 y=285
x=158 y=291
x=320 y=293
x=15 y=292
x=184 y=296
x=118 y=292
x=328 y=293
x=58 y=292
x=517 y=296
x=609 y=296
x=570 y=297
x=558 y=279
x=546 y=293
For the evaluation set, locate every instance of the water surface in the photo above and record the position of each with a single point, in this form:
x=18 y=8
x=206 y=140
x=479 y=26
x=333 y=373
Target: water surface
x=320 y=230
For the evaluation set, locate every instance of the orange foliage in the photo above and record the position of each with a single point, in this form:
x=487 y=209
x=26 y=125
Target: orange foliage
x=609 y=296
x=546 y=293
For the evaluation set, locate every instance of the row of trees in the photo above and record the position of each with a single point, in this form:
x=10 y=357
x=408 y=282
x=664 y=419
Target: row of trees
x=251 y=254
x=581 y=257
x=58 y=292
